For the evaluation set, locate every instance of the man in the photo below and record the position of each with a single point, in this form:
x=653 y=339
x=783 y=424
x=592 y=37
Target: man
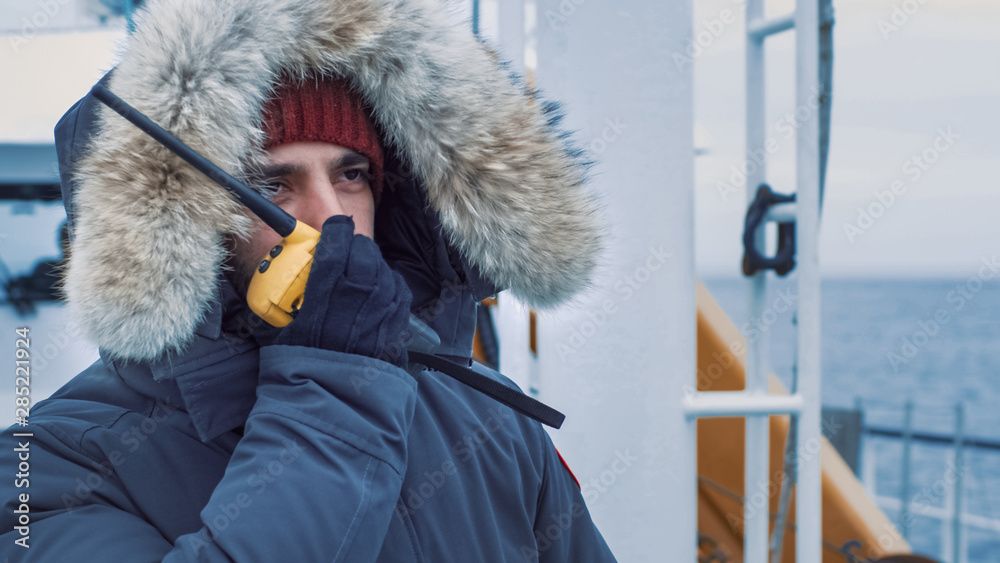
x=203 y=434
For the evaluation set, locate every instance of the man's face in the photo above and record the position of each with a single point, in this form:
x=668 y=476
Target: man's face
x=312 y=182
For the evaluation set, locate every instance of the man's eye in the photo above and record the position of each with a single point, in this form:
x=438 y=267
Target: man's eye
x=273 y=189
x=355 y=174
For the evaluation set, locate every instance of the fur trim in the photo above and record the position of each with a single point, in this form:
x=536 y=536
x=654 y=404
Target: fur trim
x=148 y=238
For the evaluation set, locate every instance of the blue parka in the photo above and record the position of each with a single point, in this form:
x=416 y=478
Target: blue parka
x=233 y=452
x=191 y=440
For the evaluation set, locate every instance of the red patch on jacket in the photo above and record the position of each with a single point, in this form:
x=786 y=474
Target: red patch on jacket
x=566 y=465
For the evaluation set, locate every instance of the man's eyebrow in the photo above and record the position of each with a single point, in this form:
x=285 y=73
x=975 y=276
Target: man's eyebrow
x=349 y=159
x=275 y=171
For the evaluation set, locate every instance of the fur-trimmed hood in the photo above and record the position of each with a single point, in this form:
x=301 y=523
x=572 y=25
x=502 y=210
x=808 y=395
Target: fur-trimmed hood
x=148 y=229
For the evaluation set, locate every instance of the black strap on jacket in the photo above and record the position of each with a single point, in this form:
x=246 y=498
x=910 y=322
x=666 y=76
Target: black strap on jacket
x=493 y=389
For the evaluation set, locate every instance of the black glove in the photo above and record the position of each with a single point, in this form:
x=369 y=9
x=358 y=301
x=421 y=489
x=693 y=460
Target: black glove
x=354 y=302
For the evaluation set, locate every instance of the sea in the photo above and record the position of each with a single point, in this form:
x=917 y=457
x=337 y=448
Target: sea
x=886 y=342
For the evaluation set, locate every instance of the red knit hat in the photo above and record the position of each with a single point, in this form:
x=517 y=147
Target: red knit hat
x=326 y=110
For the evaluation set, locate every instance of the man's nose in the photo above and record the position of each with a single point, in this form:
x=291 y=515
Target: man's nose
x=319 y=202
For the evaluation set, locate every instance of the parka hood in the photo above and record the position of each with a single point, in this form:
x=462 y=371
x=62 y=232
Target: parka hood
x=147 y=229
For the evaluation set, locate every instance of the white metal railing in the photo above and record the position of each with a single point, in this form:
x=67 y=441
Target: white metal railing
x=952 y=549
x=804 y=403
x=949 y=489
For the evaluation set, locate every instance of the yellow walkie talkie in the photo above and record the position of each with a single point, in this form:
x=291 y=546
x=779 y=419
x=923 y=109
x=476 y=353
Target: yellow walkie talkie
x=279 y=284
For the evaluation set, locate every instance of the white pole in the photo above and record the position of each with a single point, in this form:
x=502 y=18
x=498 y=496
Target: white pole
x=755 y=529
x=620 y=361
x=904 y=489
x=808 y=497
x=760 y=28
x=740 y=403
x=958 y=536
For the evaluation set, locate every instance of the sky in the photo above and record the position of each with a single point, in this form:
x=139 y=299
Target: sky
x=907 y=75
